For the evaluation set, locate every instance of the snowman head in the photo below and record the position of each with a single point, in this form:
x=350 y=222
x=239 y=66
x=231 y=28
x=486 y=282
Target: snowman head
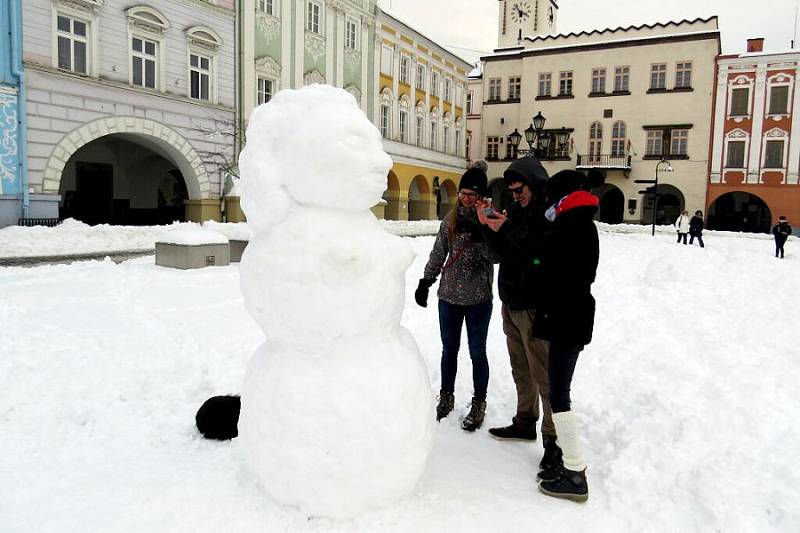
x=313 y=147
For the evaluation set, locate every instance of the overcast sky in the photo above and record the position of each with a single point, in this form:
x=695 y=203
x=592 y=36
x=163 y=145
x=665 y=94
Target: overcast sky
x=472 y=24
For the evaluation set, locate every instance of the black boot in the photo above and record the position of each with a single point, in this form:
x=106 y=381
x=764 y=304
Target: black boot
x=446 y=404
x=514 y=432
x=568 y=485
x=474 y=418
x=551 y=464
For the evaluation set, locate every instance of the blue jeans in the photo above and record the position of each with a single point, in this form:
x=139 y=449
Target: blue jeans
x=477 y=318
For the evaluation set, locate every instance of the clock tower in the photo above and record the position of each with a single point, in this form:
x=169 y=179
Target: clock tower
x=520 y=18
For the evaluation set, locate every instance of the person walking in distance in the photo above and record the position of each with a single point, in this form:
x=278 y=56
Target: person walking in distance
x=682 y=226
x=462 y=257
x=781 y=231
x=518 y=238
x=696 y=226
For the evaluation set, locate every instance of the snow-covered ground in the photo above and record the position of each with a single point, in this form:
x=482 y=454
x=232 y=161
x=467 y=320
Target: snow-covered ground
x=688 y=397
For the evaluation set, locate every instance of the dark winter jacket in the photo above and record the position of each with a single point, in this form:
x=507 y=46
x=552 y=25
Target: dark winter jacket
x=465 y=264
x=572 y=255
x=696 y=226
x=520 y=245
x=781 y=232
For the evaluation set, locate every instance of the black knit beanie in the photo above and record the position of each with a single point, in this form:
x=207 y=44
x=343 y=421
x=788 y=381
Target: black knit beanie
x=474 y=179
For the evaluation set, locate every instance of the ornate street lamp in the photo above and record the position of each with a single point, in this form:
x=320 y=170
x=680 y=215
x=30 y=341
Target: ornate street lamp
x=515 y=138
x=562 y=137
x=538 y=122
x=530 y=136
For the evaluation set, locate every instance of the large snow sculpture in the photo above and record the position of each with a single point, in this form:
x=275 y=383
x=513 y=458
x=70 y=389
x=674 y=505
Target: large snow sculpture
x=336 y=404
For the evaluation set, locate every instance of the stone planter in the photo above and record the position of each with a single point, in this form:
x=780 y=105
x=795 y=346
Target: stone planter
x=188 y=256
x=237 y=249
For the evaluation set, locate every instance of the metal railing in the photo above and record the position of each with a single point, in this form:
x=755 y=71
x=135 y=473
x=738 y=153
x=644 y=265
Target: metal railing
x=604 y=161
x=49 y=222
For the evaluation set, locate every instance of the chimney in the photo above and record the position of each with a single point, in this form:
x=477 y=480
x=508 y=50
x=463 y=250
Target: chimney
x=755 y=45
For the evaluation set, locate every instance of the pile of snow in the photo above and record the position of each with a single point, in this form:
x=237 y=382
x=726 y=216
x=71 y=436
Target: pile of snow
x=688 y=397
x=191 y=235
x=234 y=231
x=317 y=393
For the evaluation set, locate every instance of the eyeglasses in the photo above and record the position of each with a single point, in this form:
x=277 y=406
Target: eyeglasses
x=516 y=190
x=471 y=195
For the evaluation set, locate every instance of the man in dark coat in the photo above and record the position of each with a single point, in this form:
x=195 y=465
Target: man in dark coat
x=781 y=231
x=696 y=228
x=518 y=238
x=570 y=260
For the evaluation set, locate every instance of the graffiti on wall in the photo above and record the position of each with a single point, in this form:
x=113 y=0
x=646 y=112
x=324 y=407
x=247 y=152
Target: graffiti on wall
x=9 y=162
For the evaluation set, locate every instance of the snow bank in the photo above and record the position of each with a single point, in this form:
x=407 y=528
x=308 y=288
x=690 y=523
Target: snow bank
x=191 y=234
x=234 y=231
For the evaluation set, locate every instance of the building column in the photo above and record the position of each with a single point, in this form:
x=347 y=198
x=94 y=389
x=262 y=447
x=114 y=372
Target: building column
x=299 y=43
x=794 y=136
x=365 y=42
x=286 y=44
x=718 y=136
x=759 y=100
x=340 y=34
x=330 y=44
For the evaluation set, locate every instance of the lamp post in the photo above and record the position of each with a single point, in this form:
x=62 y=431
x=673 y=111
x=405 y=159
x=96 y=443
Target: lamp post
x=654 y=189
x=533 y=133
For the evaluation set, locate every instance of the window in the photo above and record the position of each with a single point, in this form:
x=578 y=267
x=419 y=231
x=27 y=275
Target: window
x=680 y=139
x=683 y=75
x=265 y=90
x=622 y=79
x=778 y=100
x=740 y=102
x=493 y=148
x=494 y=90
x=420 y=133
x=72 y=44
x=658 y=76
x=545 y=82
x=514 y=85
x=598 y=81
x=433 y=136
x=565 y=83
x=403 y=126
x=735 y=154
x=655 y=143
x=469 y=103
x=313 y=11
x=774 y=155
x=469 y=139
x=351 y=35
x=405 y=64
x=595 y=141
x=385 y=121
x=266 y=6
x=143 y=63
x=448 y=90
x=386 y=59
x=434 y=83
x=446 y=138
x=420 y=77
x=618 y=138
x=200 y=76
x=458 y=141
x=511 y=150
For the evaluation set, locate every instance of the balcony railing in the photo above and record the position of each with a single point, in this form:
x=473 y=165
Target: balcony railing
x=604 y=161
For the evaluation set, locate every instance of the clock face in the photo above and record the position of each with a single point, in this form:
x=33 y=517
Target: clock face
x=520 y=11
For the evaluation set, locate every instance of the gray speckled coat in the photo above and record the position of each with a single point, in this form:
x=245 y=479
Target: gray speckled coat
x=467 y=280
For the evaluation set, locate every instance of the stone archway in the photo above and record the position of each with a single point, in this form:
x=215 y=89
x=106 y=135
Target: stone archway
x=739 y=211
x=421 y=204
x=449 y=198
x=670 y=204
x=395 y=204
x=612 y=204
x=153 y=135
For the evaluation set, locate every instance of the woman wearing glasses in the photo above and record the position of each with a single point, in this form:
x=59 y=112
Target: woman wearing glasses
x=462 y=257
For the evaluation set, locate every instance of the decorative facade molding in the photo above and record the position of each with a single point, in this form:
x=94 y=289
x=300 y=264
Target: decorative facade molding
x=315 y=45
x=313 y=76
x=269 y=25
x=738 y=133
x=203 y=37
x=147 y=19
x=91 y=7
x=268 y=67
x=776 y=132
x=352 y=61
x=8 y=141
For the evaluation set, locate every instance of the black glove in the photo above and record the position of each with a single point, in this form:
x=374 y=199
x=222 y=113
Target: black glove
x=421 y=294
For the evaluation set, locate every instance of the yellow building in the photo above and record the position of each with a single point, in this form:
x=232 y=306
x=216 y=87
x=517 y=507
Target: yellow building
x=420 y=104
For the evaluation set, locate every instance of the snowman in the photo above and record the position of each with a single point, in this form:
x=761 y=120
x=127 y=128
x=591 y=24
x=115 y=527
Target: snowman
x=336 y=404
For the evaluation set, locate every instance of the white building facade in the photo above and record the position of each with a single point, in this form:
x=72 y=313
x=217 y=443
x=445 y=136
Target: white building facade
x=622 y=100
x=131 y=107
